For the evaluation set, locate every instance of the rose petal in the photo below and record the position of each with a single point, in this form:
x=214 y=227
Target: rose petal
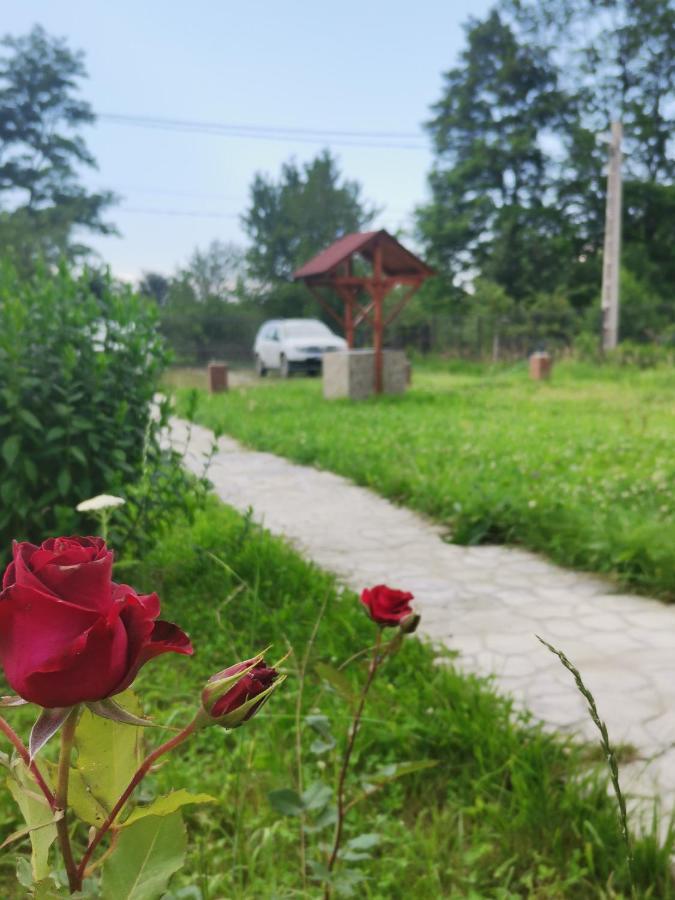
x=68 y=551
x=21 y=569
x=81 y=573
x=87 y=670
x=387 y=606
x=34 y=628
x=165 y=637
x=149 y=602
x=10 y=576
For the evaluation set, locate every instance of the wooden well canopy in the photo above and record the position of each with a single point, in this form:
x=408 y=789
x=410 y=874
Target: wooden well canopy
x=391 y=266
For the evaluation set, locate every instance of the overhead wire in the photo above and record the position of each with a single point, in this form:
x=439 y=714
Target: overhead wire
x=194 y=213
x=383 y=140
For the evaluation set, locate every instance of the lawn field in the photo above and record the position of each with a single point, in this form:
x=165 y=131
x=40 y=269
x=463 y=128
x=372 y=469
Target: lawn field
x=506 y=812
x=581 y=469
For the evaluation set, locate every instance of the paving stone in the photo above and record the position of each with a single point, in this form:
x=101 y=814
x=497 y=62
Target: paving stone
x=486 y=602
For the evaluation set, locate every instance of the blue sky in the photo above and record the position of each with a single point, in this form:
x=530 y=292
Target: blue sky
x=349 y=66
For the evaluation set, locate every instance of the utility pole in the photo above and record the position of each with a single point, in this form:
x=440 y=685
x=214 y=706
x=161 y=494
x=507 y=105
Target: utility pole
x=612 y=249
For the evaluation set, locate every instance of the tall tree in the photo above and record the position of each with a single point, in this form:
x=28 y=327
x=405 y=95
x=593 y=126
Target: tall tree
x=518 y=182
x=42 y=152
x=291 y=219
x=154 y=285
x=616 y=59
x=215 y=271
x=492 y=206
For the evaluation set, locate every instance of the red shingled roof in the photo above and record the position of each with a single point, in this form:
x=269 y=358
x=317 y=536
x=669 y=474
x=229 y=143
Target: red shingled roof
x=396 y=260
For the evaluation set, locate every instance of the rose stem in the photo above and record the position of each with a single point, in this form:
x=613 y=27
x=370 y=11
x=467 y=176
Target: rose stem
x=7 y=730
x=372 y=669
x=61 y=798
x=141 y=772
x=387 y=649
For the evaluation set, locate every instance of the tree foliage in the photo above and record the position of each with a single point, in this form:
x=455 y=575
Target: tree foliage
x=291 y=219
x=80 y=360
x=204 y=313
x=42 y=152
x=518 y=178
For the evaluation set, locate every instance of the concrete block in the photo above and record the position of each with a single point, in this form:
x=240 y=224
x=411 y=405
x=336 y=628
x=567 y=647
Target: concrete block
x=351 y=373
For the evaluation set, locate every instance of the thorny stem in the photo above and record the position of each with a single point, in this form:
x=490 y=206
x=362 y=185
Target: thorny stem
x=61 y=799
x=22 y=750
x=351 y=740
x=140 y=774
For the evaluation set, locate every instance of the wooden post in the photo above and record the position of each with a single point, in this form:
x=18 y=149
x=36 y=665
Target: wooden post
x=377 y=342
x=217 y=377
x=349 y=296
x=540 y=366
x=349 y=318
x=378 y=296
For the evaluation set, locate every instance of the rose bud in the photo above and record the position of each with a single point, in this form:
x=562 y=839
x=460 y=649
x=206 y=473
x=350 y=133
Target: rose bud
x=68 y=633
x=233 y=696
x=389 y=607
x=410 y=623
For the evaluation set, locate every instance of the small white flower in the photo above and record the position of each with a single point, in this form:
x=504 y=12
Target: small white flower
x=532 y=503
x=101 y=501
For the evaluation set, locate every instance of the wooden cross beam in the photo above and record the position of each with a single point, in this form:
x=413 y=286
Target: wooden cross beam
x=402 y=302
x=329 y=309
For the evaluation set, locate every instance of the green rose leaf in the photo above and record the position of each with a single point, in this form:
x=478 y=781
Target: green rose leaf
x=337 y=680
x=108 y=752
x=321 y=725
x=317 y=796
x=81 y=801
x=364 y=842
x=359 y=847
x=394 y=771
x=164 y=806
x=37 y=815
x=148 y=852
x=286 y=801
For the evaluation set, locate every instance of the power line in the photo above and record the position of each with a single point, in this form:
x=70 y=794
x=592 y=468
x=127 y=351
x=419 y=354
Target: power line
x=171 y=192
x=194 y=213
x=383 y=140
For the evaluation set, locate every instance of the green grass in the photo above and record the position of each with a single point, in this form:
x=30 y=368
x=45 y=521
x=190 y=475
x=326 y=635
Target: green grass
x=508 y=812
x=581 y=468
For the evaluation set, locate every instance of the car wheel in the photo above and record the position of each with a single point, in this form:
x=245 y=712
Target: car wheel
x=259 y=367
x=284 y=367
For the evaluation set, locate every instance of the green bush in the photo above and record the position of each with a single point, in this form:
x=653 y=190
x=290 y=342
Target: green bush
x=630 y=354
x=80 y=360
x=641 y=356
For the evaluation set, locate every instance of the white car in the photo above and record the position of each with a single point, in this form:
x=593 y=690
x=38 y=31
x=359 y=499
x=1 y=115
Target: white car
x=291 y=345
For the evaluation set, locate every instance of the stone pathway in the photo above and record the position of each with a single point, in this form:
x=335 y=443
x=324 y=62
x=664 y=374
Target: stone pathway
x=486 y=602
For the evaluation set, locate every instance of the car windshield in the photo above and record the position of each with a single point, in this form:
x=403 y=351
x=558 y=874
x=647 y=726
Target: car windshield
x=306 y=329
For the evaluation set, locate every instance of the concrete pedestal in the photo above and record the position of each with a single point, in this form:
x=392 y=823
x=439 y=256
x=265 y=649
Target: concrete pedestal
x=351 y=373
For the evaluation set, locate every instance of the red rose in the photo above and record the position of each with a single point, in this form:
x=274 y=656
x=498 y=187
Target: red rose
x=233 y=696
x=68 y=633
x=387 y=606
